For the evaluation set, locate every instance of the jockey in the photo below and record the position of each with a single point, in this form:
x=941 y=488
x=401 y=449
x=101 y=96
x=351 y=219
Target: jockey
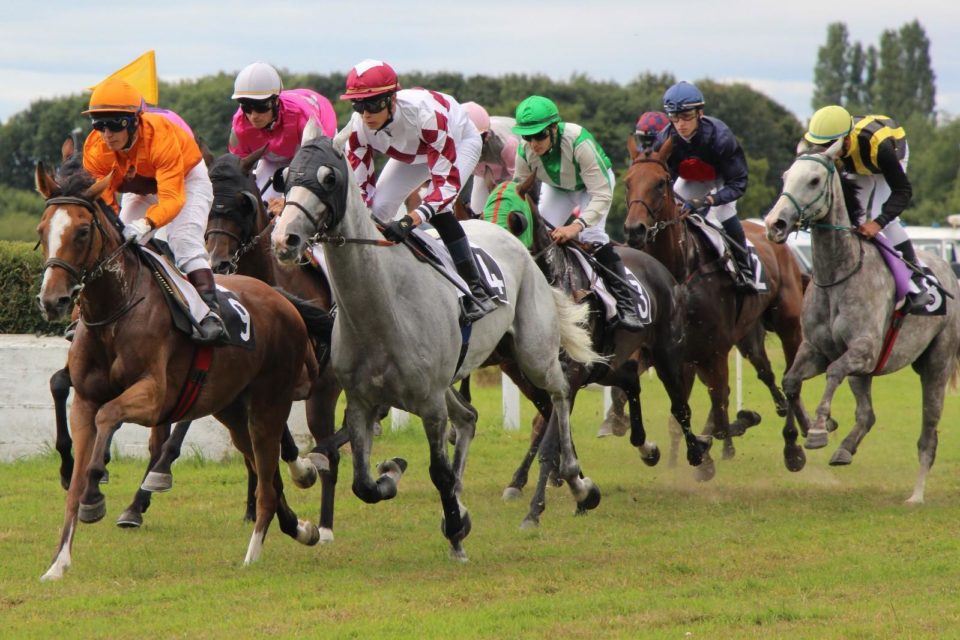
x=649 y=126
x=874 y=157
x=574 y=172
x=269 y=115
x=709 y=168
x=136 y=146
x=497 y=156
x=427 y=137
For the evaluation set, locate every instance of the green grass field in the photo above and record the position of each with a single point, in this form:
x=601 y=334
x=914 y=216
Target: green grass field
x=757 y=552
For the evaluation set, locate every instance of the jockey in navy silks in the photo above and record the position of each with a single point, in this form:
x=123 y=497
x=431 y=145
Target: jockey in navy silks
x=709 y=168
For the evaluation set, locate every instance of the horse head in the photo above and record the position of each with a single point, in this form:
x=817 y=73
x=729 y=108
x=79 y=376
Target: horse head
x=811 y=186
x=72 y=236
x=237 y=214
x=650 y=201
x=319 y=186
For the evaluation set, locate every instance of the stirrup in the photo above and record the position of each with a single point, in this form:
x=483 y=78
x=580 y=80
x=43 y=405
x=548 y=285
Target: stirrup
x=211 y=331
x=472 y=310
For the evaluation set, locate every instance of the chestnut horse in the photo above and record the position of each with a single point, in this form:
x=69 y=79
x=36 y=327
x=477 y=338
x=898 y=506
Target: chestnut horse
x=238 y=240
x=128 y=364
x=717 y=317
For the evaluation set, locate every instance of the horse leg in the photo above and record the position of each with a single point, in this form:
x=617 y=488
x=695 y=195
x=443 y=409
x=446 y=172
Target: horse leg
x=549 y=452
x=714 y=375
x=82 y=414
x=807 y=364
x=935 y=369
x=858 y=357
x=754 y=350
x=359 y=423
x=132 y=516
x=321 y=409
x=456 y=519
x=629 y=381
x=616 y=422
x=463 y=417
x=519 y=480
x=60 y=390
x=541 y=400
x=677 y=379
x=865 y=419
x=160 y=479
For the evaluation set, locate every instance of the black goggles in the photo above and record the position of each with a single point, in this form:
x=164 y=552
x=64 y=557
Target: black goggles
x=371 y=105
x=259 y=106
x=537 y=136
x=115 y=125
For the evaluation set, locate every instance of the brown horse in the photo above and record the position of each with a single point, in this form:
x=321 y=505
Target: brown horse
x=717 y=316
x=128 y=364
x=238 y=241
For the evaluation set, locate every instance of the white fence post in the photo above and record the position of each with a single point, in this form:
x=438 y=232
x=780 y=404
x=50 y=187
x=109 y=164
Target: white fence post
x=511 y=403
x=399 y=419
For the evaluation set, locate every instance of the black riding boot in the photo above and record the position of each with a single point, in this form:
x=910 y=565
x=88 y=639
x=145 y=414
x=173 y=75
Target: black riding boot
x=914 y=301
x=212 y=329
x=615 y=277
x=452 y=235
x=734 y=230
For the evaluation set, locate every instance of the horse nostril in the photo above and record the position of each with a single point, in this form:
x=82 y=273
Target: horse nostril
x=780 y=225
x=293 y=241
x=63 y=302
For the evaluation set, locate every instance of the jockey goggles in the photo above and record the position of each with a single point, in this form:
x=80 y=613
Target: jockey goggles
x=372 y=105
x=685 y=116
x=115 y=124
x=259 y=106
x=542 y=135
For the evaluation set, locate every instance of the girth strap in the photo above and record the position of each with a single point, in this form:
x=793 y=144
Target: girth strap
x=202 y=359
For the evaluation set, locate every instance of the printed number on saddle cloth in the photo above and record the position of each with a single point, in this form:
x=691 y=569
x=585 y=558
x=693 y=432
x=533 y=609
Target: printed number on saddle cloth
x=490 y=271
x=643 y=298
x=244 y=316
x=759 y=281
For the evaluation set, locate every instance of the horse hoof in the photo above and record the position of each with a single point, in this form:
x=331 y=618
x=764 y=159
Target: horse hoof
x=816 y=439
x=729 y=453
x=592 y=498
x=91 y=513
x=250 y=515
x=304 y=473
x=307 y=533
x=157 y=482
x=651 y=456
x=395 y=466
x=529 y=524
x=326 y=535
x=511 y=493
x=841 y=458
x=457 y=554
x=794 y=458
x=320 y=462
x=749 y=418
x=605 y=430
x=64 y=483
x=830 y=425
x=130 y=519
x=706 y=471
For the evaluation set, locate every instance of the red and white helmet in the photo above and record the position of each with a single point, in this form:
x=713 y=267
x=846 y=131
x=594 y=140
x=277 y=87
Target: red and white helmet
x=257 y=81
x=370 y=78
x=479 y=116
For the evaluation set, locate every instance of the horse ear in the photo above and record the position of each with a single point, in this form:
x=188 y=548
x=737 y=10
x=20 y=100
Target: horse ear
x=67 y=149
x=46 y=185
x=340 y=139
x=632 y=148
x=253 y=200
x=311 y=131
x=488 y=179
x=665 y=150
x=205 y=150
x=834 y=150
x=98 y=187
x=527 y=186
x=804 y=147
x=246 y=164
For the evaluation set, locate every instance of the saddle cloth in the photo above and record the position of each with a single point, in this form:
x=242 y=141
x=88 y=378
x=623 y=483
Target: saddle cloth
x=599 y=286
x=187 y=308
x=904 y=284
x=717 y=240
x=491 y=275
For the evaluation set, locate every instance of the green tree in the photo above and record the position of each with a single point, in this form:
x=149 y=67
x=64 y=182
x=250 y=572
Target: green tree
x=904 y=79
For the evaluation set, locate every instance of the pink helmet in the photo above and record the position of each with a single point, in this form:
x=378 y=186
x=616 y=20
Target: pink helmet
x=479 y=115
x=652 y=122
x=370 y=78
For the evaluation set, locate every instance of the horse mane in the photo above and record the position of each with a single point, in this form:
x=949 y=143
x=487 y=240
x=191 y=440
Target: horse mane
x=851 y=191
x=72 y=178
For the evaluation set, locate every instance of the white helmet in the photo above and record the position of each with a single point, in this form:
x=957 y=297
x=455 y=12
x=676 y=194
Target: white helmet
x=257 y=81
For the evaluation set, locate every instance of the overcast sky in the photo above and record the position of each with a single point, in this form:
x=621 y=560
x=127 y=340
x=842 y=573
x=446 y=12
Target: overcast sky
x=56 y=48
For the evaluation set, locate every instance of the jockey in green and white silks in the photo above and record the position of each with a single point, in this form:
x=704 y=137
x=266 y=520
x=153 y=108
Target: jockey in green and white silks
x=574 y=172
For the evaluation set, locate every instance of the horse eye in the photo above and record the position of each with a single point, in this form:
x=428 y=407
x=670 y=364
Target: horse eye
x=815 y=182
x=329 y=180
x=82 y=233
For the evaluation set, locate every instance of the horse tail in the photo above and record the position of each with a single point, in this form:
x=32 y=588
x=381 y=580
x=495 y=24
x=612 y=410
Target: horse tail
x=318 y=321
x=574 y=338
x=955 y=376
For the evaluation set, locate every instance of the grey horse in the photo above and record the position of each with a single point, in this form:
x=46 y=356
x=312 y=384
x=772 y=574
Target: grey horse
x=848 y=310
x=397 y=340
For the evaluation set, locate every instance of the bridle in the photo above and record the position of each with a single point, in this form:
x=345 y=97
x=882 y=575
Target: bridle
x=655 y=213
x=804 y=217
x=253 y=239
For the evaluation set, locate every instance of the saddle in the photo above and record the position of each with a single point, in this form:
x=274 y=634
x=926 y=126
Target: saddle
x=716 y=239
x=186 y=307
x=427 y=247
x=903 y=281
x=599 y=287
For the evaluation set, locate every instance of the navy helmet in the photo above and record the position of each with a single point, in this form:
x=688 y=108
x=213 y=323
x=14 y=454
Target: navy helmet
x=681 y=97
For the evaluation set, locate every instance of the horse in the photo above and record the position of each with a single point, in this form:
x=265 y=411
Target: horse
x=627 y=353
x=716 y=316
x=397 y=340
x=127 y=363
x=164 y=445
x=849 y=315
x=238 y=241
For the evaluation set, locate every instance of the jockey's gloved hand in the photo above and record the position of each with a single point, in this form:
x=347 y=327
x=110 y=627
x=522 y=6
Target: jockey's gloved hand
x=135 y=230
x=398 y=230
x=696 y=204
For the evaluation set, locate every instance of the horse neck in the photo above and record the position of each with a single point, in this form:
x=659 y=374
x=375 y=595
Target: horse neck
x=116 y=286
x=674 y=248
x=259 y=261
x=835 y=252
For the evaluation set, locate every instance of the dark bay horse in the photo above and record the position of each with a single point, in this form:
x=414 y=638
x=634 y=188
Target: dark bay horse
x=128 y=364
x=848 y=312
x=397 y=339
x=627 y=353
x=238 y=240
x=716 y=316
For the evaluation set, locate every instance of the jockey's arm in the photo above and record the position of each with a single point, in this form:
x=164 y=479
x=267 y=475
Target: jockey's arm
x=900 y=189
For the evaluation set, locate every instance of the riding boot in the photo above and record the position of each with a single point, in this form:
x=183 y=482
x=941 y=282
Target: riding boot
x=734 y=231
x=914 y=301
x=615 y=277
x=477 y=304
x=211 y=330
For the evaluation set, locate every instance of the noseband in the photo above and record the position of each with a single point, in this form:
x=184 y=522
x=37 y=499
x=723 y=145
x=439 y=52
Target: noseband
x=804 y=217
x=658 y=225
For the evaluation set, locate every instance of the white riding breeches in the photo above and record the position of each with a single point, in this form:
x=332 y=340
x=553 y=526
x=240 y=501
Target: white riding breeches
x=687 y=189
x=873 y=192
x=556 y=206
x=263 y=172
x=398 y=179
x=185 y=232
